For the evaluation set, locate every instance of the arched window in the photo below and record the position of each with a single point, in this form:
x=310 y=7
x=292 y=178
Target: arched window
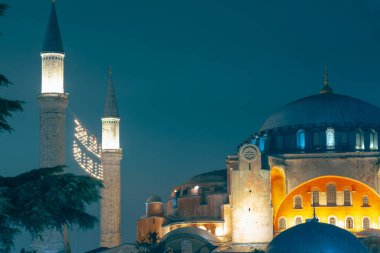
x=262 y=143
x=331 y=195
x=359 y=136
x=373 y=140
x=298 y=220
x=344 y=140
x=366 y=223
x=332 y=221
x=280 y=142
x=282 y=223
x=195 y=190
x=297 y=202
x=365 y=201
x=301 y=139
x=330 y=138
x=186 y=246
x=347 y=197
x=316 y=144
x=315 y=198
x=349 y=223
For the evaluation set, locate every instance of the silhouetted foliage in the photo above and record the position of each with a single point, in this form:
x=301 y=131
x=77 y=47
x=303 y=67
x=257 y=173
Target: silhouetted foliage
x=151 y=244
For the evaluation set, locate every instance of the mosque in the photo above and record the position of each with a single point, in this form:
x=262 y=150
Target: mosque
x=318 y=154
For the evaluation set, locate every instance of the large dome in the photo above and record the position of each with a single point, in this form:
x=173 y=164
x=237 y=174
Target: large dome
x=208 y=177
x=327 y=109
x=315 y=237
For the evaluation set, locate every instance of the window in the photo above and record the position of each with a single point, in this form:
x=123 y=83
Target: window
x=186 y=192
x=298 y=220
x=366 y=223
x=282 y=223
x=359 y=136
x=330 y=138
x=347 y=197
x=331 y=195
x=262 y=143
x=186 y=246
x=301 y=139
x=332 y=221
x=349 y=223
x=373 y=140
x=280 y=142
x=316 y=144
x=365 y=201
x=195 y=190
x=297 y=202
x=315 y=198
x=344 y=140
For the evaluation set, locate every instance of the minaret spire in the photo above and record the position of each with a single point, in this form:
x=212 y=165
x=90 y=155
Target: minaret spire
x=326 y=88
x=110 y=105
x=53 y=40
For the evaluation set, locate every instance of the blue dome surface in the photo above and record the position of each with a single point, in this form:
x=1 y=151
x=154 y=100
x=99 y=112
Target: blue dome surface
x=315 y=237
x=328 y=109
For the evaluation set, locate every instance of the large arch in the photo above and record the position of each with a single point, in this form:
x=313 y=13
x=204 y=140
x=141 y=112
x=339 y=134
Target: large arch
x=356 y=210
x=278 y=187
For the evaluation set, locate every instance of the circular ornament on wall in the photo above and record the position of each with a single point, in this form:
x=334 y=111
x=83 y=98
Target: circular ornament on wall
x=249 y=153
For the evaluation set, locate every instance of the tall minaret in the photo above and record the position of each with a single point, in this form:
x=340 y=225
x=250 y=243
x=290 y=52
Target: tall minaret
x=52 y=103
x=110 y=235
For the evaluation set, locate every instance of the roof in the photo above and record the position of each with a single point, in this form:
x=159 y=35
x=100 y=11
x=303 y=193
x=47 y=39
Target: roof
x=315 y=237
x=153 y=198
x=208 y=177
x=53 y=40
x=192 y=232
x=110 y=105
x=324 y=109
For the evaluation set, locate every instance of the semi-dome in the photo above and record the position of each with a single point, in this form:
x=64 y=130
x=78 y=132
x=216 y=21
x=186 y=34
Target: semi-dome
x=326 y=109
x=209 y=177
x=315 y=237
x=153 y=198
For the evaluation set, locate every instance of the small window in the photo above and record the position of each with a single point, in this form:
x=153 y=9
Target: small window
x=262 y=143
x=297 y=202
x=365 y=201
x=344 y=140
x=186 y=246
x=331 y=195
x=280 y=142
x=301 y=139
x=359 y=136
x=366 y=223
x=316 y=144
x=195 y=190
x=332 y=221
x=347 y=197
x=298 y=220
x=330 y=138
x=349 y=223
x=282 y=223
x=315 y=198
x=373 y=140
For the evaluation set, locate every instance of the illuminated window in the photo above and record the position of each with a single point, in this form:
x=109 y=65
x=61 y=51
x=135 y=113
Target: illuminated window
x=349 y=223
x=301 y=139
x=331 y=195
x=316 y=143
x=359 y=136
x=373 y=140
x=298 y=220
x=365 y=201
x=330 y=138
x=186 y=246
x=297 y=202
x=366 y=223
x=347 y=197
x=315 y=198
x=195 y=190
x=262 y=143
x=282 y=223
x=332 y=221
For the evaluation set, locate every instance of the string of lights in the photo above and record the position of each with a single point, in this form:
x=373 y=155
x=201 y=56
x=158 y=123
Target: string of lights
x=84 y=143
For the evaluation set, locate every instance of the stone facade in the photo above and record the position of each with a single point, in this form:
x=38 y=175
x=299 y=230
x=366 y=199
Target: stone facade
x=110 y=203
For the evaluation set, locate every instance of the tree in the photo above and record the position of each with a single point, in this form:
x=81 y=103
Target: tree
x=151 y=244
x=44 y=198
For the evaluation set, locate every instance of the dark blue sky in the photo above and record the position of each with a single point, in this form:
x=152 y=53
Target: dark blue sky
x=193 y=78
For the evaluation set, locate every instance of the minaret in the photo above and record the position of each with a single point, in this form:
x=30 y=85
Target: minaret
x=111 y=156
x=52 y=103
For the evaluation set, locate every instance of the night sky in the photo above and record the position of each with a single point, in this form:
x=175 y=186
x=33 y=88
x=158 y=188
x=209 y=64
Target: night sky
x=193 y=79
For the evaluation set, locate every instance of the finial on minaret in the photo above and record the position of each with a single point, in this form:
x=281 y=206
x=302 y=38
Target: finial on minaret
x=109 y=70
x=326 y=88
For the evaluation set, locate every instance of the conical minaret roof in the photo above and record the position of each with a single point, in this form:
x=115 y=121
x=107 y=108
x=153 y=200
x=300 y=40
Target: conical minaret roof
x=110 y=105
x=53 y=41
